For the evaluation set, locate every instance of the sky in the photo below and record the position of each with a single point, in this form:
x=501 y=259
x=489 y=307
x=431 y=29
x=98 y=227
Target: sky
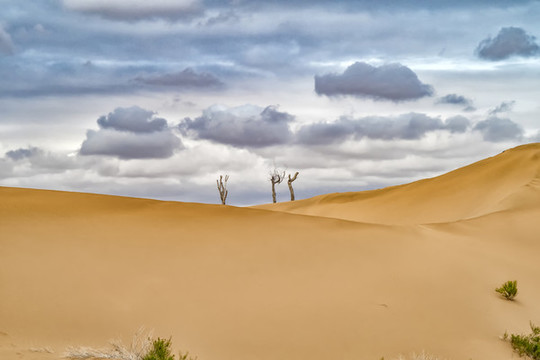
x=159 y=98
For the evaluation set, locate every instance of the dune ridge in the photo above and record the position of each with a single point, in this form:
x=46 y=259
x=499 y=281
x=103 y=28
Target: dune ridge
x=506 y=181
x=344 y=277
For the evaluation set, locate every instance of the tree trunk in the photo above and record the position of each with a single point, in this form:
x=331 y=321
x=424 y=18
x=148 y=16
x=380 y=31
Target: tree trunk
x=289 y=182
x=222 y=188
x=276 y=178
x=291 y=190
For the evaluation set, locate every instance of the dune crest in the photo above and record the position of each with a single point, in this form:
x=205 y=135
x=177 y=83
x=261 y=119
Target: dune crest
x=507 y=181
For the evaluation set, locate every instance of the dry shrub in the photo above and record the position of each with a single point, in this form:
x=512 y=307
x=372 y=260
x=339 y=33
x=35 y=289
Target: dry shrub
x=140 y=343
x=422 y=356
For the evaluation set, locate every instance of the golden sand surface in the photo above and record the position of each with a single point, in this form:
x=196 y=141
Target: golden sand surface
x=341 y=276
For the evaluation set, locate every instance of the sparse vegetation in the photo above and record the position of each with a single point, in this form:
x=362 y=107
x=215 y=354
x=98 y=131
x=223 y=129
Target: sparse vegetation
x=142 y=347
x=526 y=345
x=508 y=289
x=222 y=188
x=45 y=349
x=289 y=182
x=422 y=356
x=160 y=350
x=276 y=177
x=140 y=343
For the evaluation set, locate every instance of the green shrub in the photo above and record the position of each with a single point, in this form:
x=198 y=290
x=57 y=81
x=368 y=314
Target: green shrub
x=160 y=350
x=508 y=289
x=528 y=345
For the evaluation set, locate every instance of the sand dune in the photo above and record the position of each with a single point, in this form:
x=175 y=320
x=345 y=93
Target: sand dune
x=415 y=272
x=506 y=181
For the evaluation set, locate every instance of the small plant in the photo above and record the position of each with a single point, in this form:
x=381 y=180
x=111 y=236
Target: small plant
x=508 y=289
x=528 y=345
x=160 y=350
x=141 y=348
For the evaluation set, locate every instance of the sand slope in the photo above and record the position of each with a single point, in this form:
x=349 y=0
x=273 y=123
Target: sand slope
x=240 y=283
x=506 y=181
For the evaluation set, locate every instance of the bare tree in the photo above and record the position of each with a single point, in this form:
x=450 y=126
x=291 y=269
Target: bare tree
x=289 y=182
x=222 y=188
x=276 y=178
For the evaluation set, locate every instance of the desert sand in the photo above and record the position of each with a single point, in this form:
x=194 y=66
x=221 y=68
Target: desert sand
x=359 y=275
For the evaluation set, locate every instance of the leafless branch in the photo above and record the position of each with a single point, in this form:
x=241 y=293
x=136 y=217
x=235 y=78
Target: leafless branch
x=222 y=188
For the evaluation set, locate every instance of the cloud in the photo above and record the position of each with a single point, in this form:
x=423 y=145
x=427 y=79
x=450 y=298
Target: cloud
x=220 y=18
x=495 y=129
x=40 y=160
x=243 y=126
x=510 y=41
x=135 y=10
x=6 y=44
x=125 y=145
x=131 y=133
x=187 y=78
x=393 y=82
x=505 y=106
x=22 y=153
x=457 y=124
x=410 y=126
x=455 y=99
x=132 y=119
x=326 y=133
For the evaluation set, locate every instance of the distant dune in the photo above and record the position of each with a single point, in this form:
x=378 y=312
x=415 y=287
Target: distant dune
x=366 y=275
x=507 y=181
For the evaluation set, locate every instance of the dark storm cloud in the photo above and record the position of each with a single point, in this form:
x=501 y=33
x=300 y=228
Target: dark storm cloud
x=134 y=119
x=393 y=82
x=510 y=41
x=131 y=133
x=505 y=106
x=410 y=126
x=136 y=10
x=244 y=126
x=187 y=78
x=6 y=44
x=496 y=129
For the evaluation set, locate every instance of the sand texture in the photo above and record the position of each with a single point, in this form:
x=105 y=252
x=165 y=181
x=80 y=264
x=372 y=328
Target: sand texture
x=341 y=276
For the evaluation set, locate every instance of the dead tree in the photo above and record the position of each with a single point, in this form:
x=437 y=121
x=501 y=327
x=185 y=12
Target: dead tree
x=222 y=188
x=276 y=178
x=289 y=182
